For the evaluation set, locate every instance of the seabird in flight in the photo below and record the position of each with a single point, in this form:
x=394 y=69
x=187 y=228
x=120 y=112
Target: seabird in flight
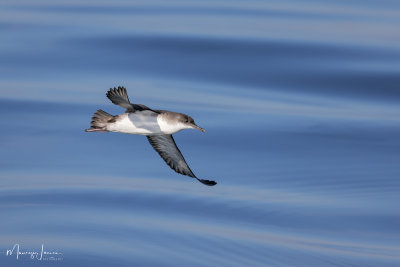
x=157 y=125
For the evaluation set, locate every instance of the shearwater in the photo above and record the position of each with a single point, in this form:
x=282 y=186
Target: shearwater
x=157 y=125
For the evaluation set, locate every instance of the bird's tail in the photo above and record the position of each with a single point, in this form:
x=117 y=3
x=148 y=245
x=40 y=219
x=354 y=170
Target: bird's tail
x=100 y=120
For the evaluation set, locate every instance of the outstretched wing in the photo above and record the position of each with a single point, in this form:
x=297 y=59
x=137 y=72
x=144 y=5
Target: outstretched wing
x=166 y=147
x=119 y=97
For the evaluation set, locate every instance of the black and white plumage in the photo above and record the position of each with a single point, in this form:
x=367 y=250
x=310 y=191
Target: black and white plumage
x=157 y=125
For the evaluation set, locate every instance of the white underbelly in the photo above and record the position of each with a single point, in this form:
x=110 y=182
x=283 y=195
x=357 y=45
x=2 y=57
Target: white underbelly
x=143 y=122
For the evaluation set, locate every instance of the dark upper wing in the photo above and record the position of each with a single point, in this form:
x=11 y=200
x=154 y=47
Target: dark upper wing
x=119 y=97
x=166 y=147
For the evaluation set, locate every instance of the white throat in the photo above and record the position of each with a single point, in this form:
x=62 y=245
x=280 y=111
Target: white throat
x=168 y=127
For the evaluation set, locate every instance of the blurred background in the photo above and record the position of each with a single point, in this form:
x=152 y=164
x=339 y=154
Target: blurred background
x=300 y=101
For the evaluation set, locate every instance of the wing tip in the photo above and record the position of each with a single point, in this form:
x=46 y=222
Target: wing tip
x=119 y=96
x=207 y=182
x=119 y=91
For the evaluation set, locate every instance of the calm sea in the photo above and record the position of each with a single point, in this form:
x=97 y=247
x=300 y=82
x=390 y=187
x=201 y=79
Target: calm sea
x=300 y=100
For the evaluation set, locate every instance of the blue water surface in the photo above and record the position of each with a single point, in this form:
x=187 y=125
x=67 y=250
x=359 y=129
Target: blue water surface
x=300 y=101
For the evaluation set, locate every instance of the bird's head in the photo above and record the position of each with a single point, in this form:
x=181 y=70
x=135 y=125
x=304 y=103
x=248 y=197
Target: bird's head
x=189 y=122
